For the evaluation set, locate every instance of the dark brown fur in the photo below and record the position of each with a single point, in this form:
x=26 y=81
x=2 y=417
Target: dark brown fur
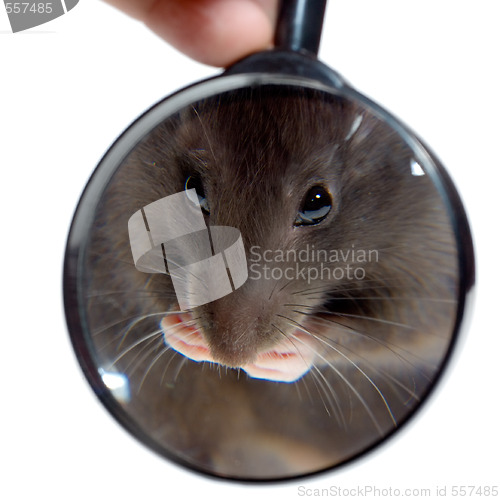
x=384 y=338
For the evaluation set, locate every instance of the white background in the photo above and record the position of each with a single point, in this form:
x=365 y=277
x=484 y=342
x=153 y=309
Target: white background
x=69 y=87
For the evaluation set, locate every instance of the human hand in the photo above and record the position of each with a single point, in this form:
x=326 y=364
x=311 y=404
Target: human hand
x=214 y=32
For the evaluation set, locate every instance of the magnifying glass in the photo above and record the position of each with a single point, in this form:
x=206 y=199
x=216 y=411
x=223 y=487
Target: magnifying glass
x=267 y=272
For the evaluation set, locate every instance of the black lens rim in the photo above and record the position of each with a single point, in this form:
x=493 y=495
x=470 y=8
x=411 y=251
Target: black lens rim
x=234 y=79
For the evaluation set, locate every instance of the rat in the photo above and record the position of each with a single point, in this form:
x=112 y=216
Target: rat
x=348 y=310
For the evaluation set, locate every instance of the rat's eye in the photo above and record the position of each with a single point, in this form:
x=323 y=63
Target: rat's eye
x=315 y=207
x=193 y=182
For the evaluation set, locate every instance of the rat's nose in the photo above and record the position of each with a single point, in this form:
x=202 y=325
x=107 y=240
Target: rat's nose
x=237 y=327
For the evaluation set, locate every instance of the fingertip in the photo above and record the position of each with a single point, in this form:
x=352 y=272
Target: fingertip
x=213 y=32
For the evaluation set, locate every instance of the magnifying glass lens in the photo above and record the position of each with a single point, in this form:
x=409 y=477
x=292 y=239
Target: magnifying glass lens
x=264 y=277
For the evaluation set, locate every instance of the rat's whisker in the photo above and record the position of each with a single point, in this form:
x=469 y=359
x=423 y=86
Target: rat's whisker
x=150 y=338
x=344 y=379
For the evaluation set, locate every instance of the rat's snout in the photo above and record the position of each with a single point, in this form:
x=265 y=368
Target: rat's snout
x=238 y=326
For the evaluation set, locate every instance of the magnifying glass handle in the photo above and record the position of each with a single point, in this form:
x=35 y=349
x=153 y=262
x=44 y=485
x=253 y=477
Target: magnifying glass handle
x=299 y=25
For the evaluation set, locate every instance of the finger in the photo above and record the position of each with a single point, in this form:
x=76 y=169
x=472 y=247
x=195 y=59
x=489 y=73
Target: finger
x=214 y=32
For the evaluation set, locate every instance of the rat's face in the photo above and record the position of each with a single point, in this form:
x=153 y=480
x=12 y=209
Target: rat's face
x=347 y=306
x=333 y=215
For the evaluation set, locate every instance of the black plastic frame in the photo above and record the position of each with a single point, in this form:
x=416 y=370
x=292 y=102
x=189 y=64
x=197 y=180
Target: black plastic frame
x=274 y=67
